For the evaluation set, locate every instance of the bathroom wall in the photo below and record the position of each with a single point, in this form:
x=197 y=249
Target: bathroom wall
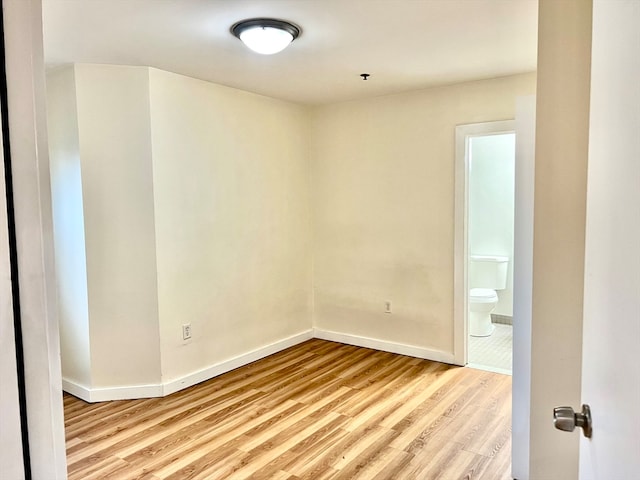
x=491 y=204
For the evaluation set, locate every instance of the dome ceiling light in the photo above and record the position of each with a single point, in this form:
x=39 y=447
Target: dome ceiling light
x=266 y=35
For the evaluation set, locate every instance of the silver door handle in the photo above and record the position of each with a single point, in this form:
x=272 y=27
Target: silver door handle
x=565 y=419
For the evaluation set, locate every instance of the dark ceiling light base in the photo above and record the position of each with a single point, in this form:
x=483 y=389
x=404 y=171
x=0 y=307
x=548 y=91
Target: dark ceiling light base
x=240 y=27
x=277 y=34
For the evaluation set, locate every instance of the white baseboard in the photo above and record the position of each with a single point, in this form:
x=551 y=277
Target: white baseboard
x=76 y=389
x=233 y=363
x=160 y=390
x=92 y=395
x=400 y=348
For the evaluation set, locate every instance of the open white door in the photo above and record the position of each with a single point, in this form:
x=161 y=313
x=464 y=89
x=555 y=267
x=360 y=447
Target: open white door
x=611 y=332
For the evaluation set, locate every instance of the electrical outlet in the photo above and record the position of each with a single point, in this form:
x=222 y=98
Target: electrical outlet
x=387 y=306
x=186 y=331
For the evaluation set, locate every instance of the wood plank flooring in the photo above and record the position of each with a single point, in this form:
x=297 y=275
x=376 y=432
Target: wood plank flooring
x=319 y=410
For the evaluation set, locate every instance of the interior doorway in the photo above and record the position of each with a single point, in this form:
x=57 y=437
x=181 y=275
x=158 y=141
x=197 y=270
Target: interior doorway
x=485 y=201
x=490 y=219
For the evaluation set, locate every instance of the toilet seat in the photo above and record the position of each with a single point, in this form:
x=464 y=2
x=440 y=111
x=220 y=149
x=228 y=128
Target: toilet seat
x=482 y=295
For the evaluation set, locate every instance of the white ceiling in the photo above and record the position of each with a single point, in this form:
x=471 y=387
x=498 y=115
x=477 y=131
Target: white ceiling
x=403 y=44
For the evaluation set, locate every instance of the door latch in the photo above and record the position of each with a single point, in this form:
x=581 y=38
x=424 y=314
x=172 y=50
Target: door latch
x=565 y=419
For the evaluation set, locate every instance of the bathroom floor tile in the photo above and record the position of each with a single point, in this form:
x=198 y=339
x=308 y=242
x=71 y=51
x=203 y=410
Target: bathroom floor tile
x=493 y=353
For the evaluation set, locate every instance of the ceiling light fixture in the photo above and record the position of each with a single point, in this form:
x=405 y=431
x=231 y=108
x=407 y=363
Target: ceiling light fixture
x=266 y=35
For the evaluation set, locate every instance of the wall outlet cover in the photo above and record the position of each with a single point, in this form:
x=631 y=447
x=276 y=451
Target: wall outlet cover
x=186 y=331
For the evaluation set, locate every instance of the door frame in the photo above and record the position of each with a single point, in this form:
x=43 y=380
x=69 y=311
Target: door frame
x=26 y=105
x=461 y=234
x=14 y=454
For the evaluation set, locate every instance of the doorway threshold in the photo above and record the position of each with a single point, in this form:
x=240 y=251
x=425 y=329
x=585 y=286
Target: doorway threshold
x=488 y=368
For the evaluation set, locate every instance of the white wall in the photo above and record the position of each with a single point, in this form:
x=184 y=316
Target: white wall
x=68 y=226
x=115 y=153
x=190 y=203
x=491 y=205
x=106 y=278
x=197 y=210
x=383 y=198
x=230 y=174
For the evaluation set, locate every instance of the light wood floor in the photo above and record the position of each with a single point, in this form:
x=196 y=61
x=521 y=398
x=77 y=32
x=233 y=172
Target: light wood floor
x=315 y=411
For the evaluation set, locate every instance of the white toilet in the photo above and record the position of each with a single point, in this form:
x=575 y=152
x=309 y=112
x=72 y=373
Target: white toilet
x=487 y=273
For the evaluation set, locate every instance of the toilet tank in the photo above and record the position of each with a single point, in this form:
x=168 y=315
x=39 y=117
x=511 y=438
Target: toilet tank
x=488 y=271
